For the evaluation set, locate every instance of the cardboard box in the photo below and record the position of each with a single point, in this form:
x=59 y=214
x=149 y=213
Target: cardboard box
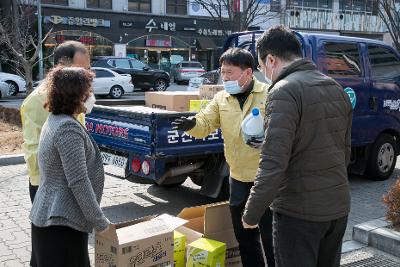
x=144 y=242
x=212 y=221
x=206 y=252
x=197 y=105
x=208 y=91
x=179 y=249
x=173 y=101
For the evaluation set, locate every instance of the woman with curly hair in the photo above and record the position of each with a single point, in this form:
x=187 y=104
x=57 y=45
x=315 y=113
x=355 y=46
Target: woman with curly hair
x=67 y=205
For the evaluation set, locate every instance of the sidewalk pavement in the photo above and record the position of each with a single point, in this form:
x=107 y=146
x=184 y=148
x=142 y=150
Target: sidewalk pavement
x=123 y=200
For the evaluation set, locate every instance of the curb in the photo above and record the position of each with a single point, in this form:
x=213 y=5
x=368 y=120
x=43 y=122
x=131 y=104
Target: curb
x=12 y=159
x=376 y=234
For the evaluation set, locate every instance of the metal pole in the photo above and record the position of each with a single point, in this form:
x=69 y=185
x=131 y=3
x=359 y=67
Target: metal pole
x=39 y=11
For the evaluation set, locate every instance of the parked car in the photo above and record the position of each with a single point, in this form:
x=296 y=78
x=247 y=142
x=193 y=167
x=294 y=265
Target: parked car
x=4 y=89
x=16 y=83
x=143 y=76
x=108 y=82
x=183 y=71
x=210 y=77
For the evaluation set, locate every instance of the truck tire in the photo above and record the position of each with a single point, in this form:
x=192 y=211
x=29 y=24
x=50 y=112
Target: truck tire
x=382 y=159
x=160 y=85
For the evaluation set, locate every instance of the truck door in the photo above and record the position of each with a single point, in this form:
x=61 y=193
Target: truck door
x=384 y=74
x=342 y=60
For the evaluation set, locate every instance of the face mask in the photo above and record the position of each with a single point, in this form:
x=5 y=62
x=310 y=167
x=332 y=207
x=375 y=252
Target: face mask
x=89 y=103
x=233 y=87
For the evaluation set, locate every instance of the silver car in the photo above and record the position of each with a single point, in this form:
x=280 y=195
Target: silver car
x=185 y=70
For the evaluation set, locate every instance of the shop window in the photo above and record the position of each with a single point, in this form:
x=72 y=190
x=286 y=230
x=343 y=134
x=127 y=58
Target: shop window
x=55 y=2
x=139 y=6
x=342 y=60
x=384 y=63
x=103 y=4
x=177 y=7
x=358 y=5
x=310 y=3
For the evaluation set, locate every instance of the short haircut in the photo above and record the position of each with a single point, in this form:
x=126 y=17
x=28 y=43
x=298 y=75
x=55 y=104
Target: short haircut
x=65 y=52
x=280 y=42
x=68 y=87
x=237 y=57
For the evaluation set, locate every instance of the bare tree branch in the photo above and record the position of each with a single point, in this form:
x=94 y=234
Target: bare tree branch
x=19 y=37
x=388 y=11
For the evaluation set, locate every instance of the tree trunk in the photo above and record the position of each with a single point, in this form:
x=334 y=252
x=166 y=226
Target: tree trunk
x=28 y=78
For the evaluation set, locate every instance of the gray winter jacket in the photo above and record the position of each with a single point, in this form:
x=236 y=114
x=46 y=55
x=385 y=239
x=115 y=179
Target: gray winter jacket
x=304 y=157
x=71 y=177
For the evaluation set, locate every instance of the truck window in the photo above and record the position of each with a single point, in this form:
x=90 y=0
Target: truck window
x=385 y=65
x=342 y=60
x=122 y=64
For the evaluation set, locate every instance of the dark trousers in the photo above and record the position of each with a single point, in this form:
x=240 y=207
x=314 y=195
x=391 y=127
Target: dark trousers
x=250 y=245
x=32 y=193
x=60 y=246
x=300 y=243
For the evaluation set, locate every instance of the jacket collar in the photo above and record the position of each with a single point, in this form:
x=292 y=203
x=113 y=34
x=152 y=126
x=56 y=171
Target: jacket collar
x=297 y=65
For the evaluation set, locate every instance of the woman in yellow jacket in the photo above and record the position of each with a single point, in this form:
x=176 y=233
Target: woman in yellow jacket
x=226 y=111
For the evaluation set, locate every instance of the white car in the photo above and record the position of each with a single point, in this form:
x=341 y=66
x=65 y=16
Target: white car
x=108 y=82
x=4 y=89
x=16 y=83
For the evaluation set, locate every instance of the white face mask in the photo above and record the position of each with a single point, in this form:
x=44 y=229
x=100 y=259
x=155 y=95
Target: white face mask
x=89 y=103
x=233 y=87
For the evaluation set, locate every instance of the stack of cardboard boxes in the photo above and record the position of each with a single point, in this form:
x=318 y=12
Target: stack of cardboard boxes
x=182 y=101
x=198 y=236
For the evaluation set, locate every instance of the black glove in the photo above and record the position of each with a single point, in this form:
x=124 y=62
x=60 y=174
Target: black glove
x=255 y=142
x=184 y=124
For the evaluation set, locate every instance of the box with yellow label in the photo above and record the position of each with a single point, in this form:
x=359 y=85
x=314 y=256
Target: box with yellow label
x=206 y=252
x=197 y=105
x=179 y=249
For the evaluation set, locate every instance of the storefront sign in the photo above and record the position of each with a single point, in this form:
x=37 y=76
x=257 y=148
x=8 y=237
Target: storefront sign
x=87 y=40
x=120 y=50
x=166 y=26
x=212 y=32
x=196 y=9
x=77 y=21
x=126 y=24
x=158 y=43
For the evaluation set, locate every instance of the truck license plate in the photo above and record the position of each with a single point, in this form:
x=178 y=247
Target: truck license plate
x=115 y=160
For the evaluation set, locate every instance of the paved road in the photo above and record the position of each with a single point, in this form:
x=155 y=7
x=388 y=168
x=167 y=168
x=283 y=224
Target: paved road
x=124 y=200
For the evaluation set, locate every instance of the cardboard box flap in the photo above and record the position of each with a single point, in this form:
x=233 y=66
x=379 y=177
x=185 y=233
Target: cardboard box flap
x=191 y=235
x=217 y=218
x=112 y=234
x=156 y=226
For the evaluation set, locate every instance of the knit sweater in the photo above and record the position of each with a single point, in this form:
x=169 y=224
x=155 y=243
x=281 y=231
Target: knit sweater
x=71 y=177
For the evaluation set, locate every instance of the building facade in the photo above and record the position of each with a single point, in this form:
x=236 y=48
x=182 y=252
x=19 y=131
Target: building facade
x=357 y=18
x=158 y=32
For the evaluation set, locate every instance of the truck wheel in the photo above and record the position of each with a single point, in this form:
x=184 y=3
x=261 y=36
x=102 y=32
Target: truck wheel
x=382 y=159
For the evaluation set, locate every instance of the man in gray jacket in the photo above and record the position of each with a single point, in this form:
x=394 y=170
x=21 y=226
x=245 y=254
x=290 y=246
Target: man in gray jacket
x=303 y=167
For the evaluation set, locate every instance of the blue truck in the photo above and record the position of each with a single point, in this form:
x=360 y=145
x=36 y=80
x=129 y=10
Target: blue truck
x=141 y=140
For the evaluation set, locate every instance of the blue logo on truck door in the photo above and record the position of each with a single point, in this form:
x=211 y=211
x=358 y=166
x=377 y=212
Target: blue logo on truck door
x=352 y=95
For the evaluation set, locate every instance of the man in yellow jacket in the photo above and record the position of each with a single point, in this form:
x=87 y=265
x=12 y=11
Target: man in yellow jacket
x=226 y=111
x=34 y=115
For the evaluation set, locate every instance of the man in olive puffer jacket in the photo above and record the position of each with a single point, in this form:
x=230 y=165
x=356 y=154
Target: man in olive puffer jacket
x=303 y=167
